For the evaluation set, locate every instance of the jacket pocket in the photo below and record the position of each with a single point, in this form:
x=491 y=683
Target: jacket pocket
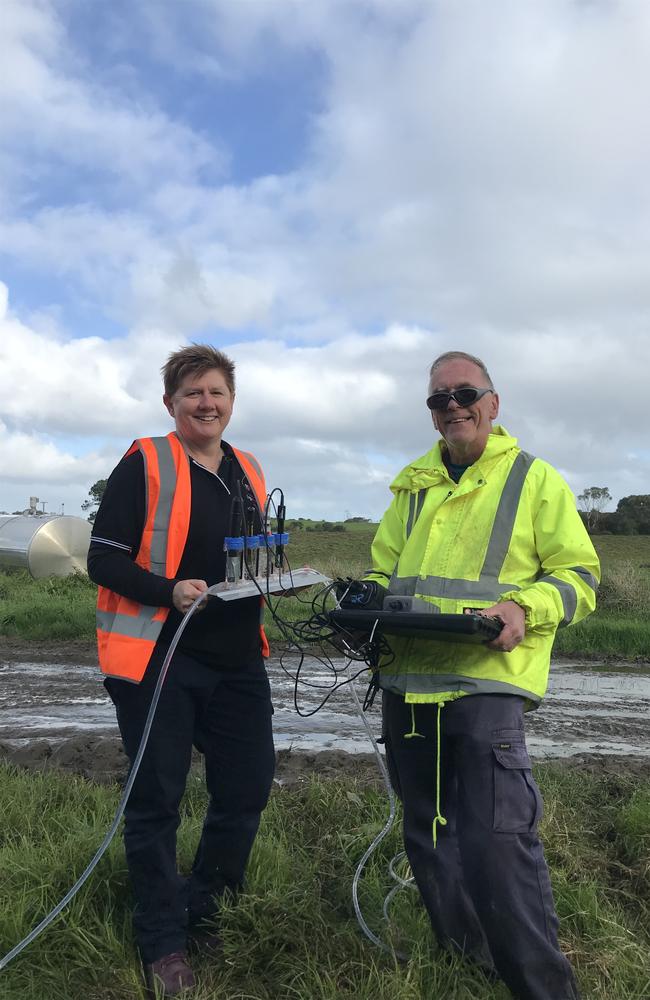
x=517 y=799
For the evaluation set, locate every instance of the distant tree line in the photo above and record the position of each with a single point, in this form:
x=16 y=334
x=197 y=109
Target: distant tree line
x=631 y=517
x=303 y=524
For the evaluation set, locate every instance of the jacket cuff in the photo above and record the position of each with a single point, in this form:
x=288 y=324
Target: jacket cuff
x=517 y=598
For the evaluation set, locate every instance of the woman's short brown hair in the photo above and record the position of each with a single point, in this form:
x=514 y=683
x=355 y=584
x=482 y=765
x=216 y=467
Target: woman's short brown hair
x=196 y=359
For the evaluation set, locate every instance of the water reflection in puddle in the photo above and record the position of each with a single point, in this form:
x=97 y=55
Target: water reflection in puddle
x=597 y=709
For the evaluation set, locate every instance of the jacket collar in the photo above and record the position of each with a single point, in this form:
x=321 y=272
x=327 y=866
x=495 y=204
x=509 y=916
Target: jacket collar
x=429 y=469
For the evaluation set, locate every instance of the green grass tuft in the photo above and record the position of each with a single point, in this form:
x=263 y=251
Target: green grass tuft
x=50 y=608
x=293 y=934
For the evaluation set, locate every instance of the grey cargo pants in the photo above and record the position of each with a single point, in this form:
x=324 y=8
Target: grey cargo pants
x=485 y=884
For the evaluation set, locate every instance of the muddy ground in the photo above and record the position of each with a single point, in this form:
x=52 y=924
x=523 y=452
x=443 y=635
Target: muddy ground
x=81 y=651
x=101 y=758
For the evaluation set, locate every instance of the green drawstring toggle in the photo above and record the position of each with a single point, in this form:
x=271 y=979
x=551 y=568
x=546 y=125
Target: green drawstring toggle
x=409 y=736
x=439 y=818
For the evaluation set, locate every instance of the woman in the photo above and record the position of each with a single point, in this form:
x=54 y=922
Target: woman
x=157 y=544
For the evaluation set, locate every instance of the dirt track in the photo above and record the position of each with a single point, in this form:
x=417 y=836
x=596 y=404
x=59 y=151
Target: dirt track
x=36 y=651
x=101 y=758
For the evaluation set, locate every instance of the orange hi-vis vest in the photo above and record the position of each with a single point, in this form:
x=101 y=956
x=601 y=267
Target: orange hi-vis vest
x=126 y=630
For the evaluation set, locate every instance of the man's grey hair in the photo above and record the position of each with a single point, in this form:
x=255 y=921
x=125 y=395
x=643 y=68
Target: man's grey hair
x=460 y=356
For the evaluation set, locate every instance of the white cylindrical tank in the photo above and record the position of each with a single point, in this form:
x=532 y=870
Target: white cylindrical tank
x=51 y=545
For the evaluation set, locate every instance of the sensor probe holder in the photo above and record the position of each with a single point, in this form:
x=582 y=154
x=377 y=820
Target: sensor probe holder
x=263 y=585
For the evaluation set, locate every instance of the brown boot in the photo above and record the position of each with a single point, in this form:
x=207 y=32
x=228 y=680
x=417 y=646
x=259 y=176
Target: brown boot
x=168 y=976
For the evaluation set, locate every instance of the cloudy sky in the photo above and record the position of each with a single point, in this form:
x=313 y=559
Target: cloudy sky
x=334 y=192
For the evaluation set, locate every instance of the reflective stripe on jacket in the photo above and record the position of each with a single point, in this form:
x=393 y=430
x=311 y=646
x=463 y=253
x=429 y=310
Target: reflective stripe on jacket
x=126 y=630
x=509 y=530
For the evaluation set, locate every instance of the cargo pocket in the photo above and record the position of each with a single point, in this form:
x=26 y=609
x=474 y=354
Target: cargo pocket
x=517 y=800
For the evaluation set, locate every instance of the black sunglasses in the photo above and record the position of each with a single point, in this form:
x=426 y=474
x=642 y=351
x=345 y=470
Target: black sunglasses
x=464 y=397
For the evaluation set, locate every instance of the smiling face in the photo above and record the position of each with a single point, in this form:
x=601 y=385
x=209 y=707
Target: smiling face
x=201 y=408
x=465 y=429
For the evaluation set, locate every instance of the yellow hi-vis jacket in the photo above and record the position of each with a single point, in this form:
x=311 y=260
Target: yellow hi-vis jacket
x=509 y=530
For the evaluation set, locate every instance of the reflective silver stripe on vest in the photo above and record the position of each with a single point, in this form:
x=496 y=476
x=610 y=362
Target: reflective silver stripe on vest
x=504 y=521
x=442 y=586
x=163 y=513
x=416 y=500
x=430 y=684
x=568 y=592
x=487 y=587
x=568 y=595
x=256 y=465
x=585 y=575
x=140 y=626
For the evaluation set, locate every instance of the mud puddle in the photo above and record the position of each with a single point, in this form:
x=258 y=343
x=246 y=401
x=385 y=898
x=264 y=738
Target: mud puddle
x=594 y=709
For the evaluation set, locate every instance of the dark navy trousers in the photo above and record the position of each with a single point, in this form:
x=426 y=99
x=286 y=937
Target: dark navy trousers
x=485 y=885
x=226 y=714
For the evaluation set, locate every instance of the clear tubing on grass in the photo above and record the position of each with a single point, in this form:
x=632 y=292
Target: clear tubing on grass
x=378 y=839
x=125 y=794
x=16 y=950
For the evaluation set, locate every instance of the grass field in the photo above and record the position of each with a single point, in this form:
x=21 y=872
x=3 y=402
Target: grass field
x=623 y=548
x=58 y=609
x=294 y=935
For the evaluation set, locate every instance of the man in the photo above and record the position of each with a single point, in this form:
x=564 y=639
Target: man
x=157 y=545
x=478 y=524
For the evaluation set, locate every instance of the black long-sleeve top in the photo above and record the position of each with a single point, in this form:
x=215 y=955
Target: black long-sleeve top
x=224 y=634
